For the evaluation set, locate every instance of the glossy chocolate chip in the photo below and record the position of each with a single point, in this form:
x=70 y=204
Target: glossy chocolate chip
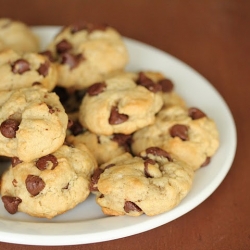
x=63 y=46
x=158 y=152
x=196 y=113
x=146 y=163
x=179 y=130
x=20 y=66
x=44 y=68
x=15 y=161
x=94 y=180
x=206 y=162
x=166 y=85
x=46 y=161
x=11 y=203
x=96 y=88
x=71 y=60
x=146 y=82
x=34 y=184
x=131 y=206
x=117 y=118
x=9 y=127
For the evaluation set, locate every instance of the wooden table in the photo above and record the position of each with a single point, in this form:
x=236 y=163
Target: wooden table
x=213 y=37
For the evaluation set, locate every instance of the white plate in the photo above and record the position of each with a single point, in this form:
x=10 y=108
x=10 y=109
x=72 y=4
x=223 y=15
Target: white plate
x=86 y=223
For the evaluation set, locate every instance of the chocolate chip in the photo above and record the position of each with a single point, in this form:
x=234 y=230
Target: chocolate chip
x=206 y=162
x=117 y=118
x=94 y=180
x=179 y=130
x=34 y=184
x=90 y=27
x=9 y=127
x=146 y=163
x=166 y=85
x=46 y=161
x=15 y=161
x=72 y=60
x=36 y=84
x=131 y=206
x=63 y=46
x=48 y=54
x=158 y=152
x=196 y=113
x=11 y=203
x=76 y=128
x=96 y=88
x=121 y=139
x=44 y=68
x=20 y=66
x=146 y=82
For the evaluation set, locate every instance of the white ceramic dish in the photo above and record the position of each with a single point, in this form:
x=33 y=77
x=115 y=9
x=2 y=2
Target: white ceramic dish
x=86 y=223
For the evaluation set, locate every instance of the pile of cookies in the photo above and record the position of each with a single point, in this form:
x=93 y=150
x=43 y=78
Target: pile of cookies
x=73 y=121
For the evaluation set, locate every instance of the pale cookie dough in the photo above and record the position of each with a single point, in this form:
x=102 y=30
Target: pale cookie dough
x=20 y=70
x=188 y=134
x=33 y=123
x=50 y=185
x=18 y=36
x=118 y=105
x=86 y=53
x=104 y=148
x=152 y=184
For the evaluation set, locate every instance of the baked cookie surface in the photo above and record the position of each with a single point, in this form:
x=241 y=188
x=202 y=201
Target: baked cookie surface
x=188 y=134
x=86 y=53
x=21 y=70
x=152 y=184
x=18 y=36
x=118 y=105
x=50 y=185
x=33 y=123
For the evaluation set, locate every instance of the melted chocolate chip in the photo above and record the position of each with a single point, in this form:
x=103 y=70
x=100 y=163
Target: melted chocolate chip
x=158 y=152
x=146 y=82
x=20 y=66
x=15 y=161
x=76 y=128
x=96 y=88
x=166 y=85
x=46 y=161
x=11 y=203
x=63 y=46
x=9 y=127
x=48 y=54
x=122 y=139
x=206 y=162
x=34 y=184
x=179 y=130
x=72 y=60
x=146 y=163
x=94 y=180
x=117 y=118
x=131 y=206
x=44 y=69
x=196 y=113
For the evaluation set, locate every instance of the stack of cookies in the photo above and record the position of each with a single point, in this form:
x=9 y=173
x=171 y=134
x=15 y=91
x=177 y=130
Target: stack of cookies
x=73 y=121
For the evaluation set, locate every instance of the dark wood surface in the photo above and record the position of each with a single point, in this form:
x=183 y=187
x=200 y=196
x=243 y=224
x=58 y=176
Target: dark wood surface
x=213 y=37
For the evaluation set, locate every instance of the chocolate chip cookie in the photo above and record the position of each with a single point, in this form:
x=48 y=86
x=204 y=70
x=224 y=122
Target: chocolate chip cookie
x=18 y=36
x=118 y=105
x=33 y=123
x=86 y=52
x=26 y=69
x=49 y=185
x=189 y=134
x=152 y=184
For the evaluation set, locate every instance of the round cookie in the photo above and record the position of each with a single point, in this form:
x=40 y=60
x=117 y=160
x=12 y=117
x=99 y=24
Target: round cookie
x=24 y=70
x=86 y=53
x=152 y=184
x=33 y=123
x=188 y=134
x=118 y=105
x=18 y=36
x=50 y=185
x=103 y=147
